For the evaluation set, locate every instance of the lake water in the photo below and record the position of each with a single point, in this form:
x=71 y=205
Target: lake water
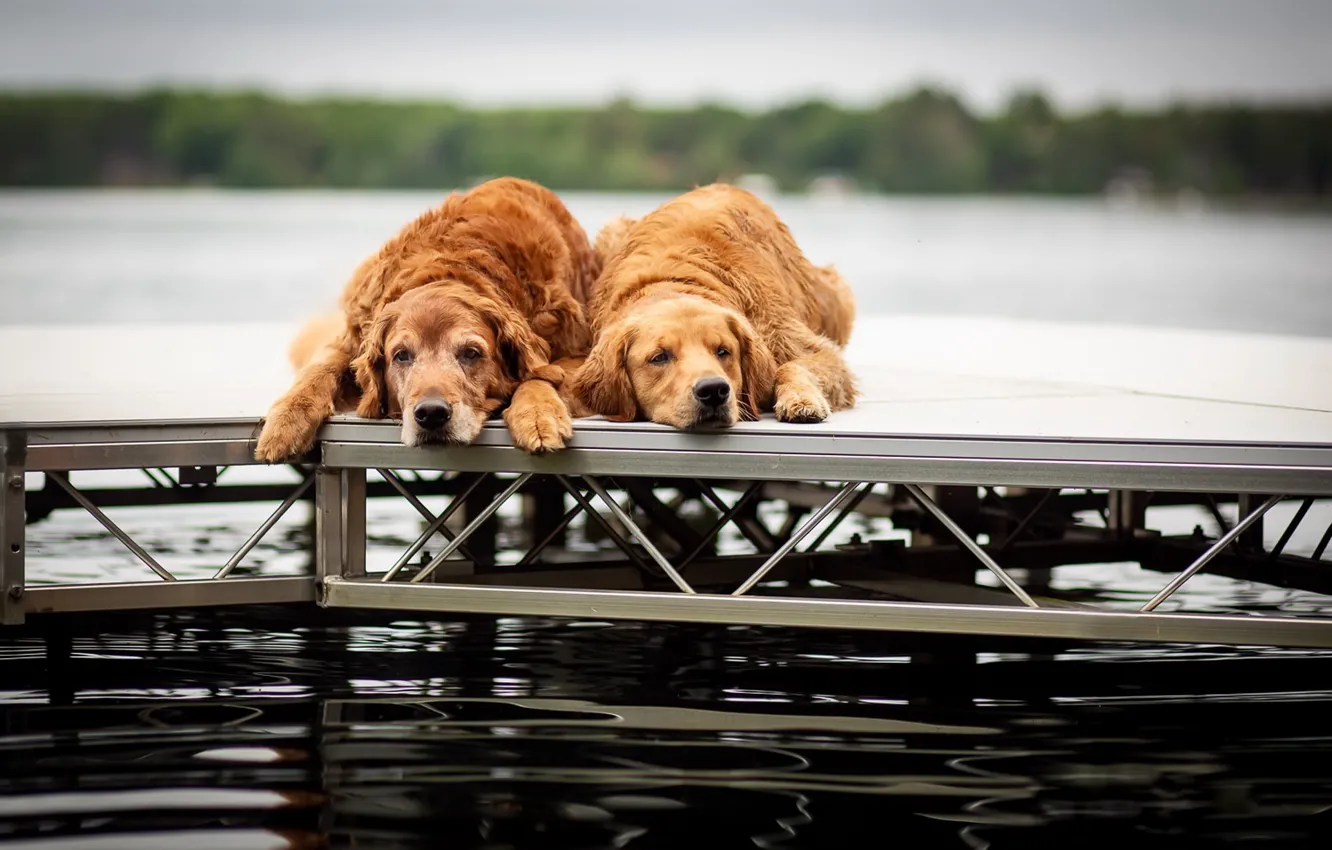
x=236 y=256
x=281 y=728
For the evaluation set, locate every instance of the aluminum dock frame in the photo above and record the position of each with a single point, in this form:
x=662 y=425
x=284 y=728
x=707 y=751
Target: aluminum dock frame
x=980 y=472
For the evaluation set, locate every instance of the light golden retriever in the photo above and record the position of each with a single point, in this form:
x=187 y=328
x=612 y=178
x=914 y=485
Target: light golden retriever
x=471 y=306
x=706 y=311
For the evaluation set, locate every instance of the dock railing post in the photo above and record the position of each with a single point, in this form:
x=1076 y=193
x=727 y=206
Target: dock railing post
x=353 y=522
x=330 y=539
x=12 y=531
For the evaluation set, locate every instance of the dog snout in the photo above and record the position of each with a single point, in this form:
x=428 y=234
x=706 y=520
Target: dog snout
x=432 y=413
x=712 y=392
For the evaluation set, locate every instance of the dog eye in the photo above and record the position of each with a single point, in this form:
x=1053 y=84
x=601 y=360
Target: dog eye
x=467 y=355
x=723 y=351
x=402 y=355
x=659 y=358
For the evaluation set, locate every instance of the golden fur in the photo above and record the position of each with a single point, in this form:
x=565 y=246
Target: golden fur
x=707 y=311
x=473 y=305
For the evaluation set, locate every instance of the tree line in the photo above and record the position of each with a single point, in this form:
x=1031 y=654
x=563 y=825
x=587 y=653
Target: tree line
x=926 y=141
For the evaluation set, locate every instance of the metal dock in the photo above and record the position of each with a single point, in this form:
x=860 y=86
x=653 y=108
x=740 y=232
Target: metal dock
x=981 y=441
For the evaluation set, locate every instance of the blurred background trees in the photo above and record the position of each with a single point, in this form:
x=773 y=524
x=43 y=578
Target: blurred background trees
x=924 y=142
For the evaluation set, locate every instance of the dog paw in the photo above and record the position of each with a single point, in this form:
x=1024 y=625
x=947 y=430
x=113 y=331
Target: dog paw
x=538 y=420
x=802 y=405
x=287 y=434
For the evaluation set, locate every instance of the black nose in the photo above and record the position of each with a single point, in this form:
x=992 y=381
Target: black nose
x=433 y=413
x=712 y=392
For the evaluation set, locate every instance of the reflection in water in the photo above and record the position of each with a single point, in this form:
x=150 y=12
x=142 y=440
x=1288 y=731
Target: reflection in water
x=287 y=728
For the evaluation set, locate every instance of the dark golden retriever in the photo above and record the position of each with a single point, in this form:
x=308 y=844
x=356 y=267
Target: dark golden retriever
x=706 y=312
x=471 y=306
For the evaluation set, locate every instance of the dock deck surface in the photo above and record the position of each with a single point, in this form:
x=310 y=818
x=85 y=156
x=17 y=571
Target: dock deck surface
x=921 y=377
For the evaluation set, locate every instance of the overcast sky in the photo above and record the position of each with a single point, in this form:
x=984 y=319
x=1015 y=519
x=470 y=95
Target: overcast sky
x=746 y=52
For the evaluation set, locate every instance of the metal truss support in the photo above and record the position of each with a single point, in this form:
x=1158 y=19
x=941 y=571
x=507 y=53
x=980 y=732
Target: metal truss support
x=1322 y=544
x=629 y=524
x=397 y=484
x=673 y=572
x=556 y=530
x=875 y=615
x=748 y=524
x=267 y=526
x=727 y=515
x=1290 y=529
x=845 y=512
x=797 y=535
x=329 y=540
x=434 y=526
x=124 y=596
x=586 y=506
x=147 y=595
x=157 y=482
x=12 y=531
x=965 y=539
x=1216 y=548
x=963 y=506
x=353 y=521
x=661 y=516
x=62 y=480
x=471 y=527
x=1027 y=520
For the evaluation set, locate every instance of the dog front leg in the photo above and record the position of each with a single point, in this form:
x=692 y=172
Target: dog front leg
x=538 y=415
x=294 y=419
x=812 y=385
x=538 y=418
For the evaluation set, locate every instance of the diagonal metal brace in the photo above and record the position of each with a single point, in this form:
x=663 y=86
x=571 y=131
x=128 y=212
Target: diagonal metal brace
x=397 y=484
x=642 y=538
x=1027 y=520
x=472 y=526
x=259 y=532
x=799 y=534
x=535 y=552
x=845 y=512
x=1215 y=549
x=965 y=539
x=62 y=479
x=1290 y=529
x=586 y=506
x=727 y=515
x=432 y=528
x=754 y=531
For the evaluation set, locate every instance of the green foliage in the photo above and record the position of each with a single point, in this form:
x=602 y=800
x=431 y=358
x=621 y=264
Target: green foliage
x=924 y=142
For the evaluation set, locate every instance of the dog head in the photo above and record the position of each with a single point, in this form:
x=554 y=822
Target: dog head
x=444 y=359
x=681 y=361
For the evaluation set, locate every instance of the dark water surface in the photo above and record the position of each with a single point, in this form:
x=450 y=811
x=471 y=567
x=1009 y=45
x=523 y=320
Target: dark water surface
x=294 y=728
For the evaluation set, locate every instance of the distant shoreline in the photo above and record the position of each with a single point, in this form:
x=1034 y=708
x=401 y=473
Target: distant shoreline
x=1163 y=203
x=925 y=142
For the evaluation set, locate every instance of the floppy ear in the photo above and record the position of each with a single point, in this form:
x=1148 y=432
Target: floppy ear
x=369 y=368
x=523 y=354
x=758 y=369
x=602 y=382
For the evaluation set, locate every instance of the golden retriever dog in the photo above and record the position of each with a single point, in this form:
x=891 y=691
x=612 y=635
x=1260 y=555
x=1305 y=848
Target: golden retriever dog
x=470 y=307
x=707 y=312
